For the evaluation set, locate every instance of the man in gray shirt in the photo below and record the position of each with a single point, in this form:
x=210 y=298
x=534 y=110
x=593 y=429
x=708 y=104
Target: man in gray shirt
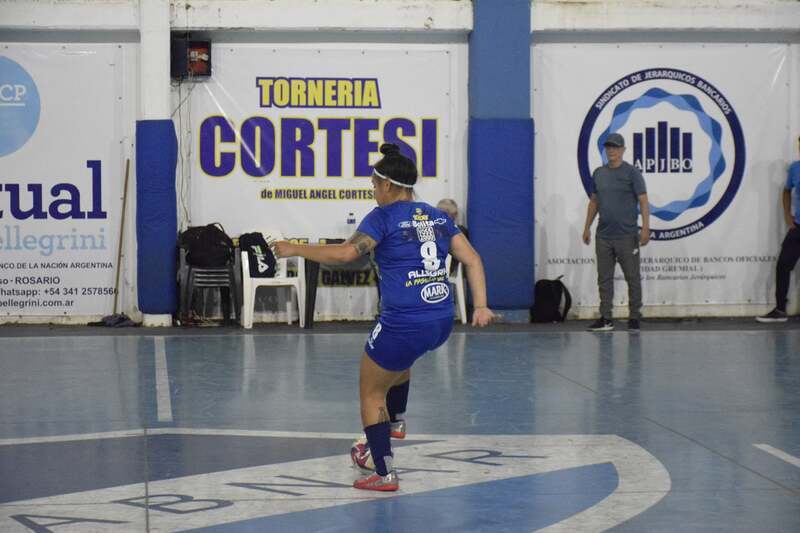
x=617 y=189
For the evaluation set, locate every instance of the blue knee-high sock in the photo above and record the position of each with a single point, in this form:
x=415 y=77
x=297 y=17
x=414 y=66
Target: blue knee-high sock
x=380 y=446
x=397 y=400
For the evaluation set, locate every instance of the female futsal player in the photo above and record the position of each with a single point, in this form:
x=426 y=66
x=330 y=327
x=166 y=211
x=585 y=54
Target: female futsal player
x=411 y=242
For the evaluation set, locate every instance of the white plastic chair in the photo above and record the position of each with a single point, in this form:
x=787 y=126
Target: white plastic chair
x=457 y=279
x=282 y=279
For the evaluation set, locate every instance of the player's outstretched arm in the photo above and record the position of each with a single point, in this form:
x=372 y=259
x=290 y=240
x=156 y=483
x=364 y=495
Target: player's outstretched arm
x=329 y=254
x=462 y=250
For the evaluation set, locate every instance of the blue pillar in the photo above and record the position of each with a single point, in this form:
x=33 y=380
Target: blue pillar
x=500 y=203
x=156 y=160
x=156 y=216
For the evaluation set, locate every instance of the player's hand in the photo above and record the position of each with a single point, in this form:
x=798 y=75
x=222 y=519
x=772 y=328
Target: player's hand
x=282 y=249
x=644 y=237
x=482 y=316
x=587 y=236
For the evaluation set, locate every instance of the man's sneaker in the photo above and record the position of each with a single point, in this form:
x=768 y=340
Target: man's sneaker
x=633 y=325
x=387 y=483
x=399 y=429
x=601 y=324
x=361 y=456
x=776 y=315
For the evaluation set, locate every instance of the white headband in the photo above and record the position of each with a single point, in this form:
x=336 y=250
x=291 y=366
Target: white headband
x=390 y=180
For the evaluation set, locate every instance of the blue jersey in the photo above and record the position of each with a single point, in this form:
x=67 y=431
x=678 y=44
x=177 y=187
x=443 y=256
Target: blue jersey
x=413 y=242
x=793 y=184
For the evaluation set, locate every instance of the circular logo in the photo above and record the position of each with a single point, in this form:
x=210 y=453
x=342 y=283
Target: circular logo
x=682 y=134
x=19 y=106
x=435 y=292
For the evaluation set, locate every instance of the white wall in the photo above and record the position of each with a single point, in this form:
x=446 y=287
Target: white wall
x=380 y=21
x=387 y=23
x=674 y=15
x=661 y=26
x=395 y=16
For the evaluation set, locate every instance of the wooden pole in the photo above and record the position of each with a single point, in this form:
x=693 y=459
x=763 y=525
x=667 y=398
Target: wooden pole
x=121 y=231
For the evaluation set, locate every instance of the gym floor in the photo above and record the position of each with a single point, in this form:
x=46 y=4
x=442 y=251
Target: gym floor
x=687 y=426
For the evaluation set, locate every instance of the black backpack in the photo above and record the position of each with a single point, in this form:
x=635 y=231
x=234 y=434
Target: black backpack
x=551 y=301
x=260 y=257
x=207 y=246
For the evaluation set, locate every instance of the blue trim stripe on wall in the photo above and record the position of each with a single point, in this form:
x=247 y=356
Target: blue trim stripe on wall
x=499 y=59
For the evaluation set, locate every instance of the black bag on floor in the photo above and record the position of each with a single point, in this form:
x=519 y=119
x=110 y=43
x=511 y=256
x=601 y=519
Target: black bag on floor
x=259 y=255
x=551 y=301
x=207 y=246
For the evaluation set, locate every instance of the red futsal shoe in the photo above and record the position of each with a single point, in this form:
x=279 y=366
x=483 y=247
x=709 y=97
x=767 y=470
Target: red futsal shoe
x=399 y=429
x=387 y=483
x=361 y=456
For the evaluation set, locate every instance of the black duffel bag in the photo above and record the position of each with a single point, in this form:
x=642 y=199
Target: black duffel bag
x=207 y=246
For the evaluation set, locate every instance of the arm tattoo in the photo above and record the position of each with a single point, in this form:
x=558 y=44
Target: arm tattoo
x=382 y=416
x=363 y=242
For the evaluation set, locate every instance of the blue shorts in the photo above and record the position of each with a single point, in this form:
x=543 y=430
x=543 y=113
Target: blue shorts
x=395 y=347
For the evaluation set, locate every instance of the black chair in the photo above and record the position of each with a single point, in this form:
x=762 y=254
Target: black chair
x=226 y=278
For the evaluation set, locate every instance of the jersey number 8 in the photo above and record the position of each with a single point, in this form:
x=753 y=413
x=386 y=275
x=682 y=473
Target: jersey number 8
x=429 y=259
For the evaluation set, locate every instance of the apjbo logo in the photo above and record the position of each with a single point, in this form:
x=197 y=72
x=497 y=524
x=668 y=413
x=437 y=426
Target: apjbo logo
x=19 y=106
x=682 y=134
x=657 y=152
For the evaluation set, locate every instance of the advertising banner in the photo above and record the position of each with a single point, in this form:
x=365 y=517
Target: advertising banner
x=706 y=125
x=284 y=137
x=60 y=178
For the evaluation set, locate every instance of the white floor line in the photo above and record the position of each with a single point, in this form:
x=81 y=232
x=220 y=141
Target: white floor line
x=262 y=433
x=163 y=399
x=780 y=454
x=125 y=433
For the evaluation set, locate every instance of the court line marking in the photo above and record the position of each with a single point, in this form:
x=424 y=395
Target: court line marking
x=368 y=327
x=74 y=437
x=163 y=398
x=188 y=431
x=246 y=433
x=642 y=481
x=684 y=435
x=780 y=454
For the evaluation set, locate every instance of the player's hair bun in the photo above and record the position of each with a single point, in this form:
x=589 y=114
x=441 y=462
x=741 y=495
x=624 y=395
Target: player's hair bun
x=389 y=149
x=396 y=166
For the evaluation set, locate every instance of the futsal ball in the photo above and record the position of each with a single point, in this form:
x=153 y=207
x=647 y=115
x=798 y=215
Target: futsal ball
x=360 y=454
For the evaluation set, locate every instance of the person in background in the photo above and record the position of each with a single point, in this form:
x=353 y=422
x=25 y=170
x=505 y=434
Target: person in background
x=790 y=249
x=450 y=207
x=618 y=188
x=411 y=241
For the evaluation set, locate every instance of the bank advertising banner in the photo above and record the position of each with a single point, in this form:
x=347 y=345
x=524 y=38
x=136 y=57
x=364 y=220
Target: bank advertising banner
x=285 y=138
x=707 y=125
x=60 y=168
